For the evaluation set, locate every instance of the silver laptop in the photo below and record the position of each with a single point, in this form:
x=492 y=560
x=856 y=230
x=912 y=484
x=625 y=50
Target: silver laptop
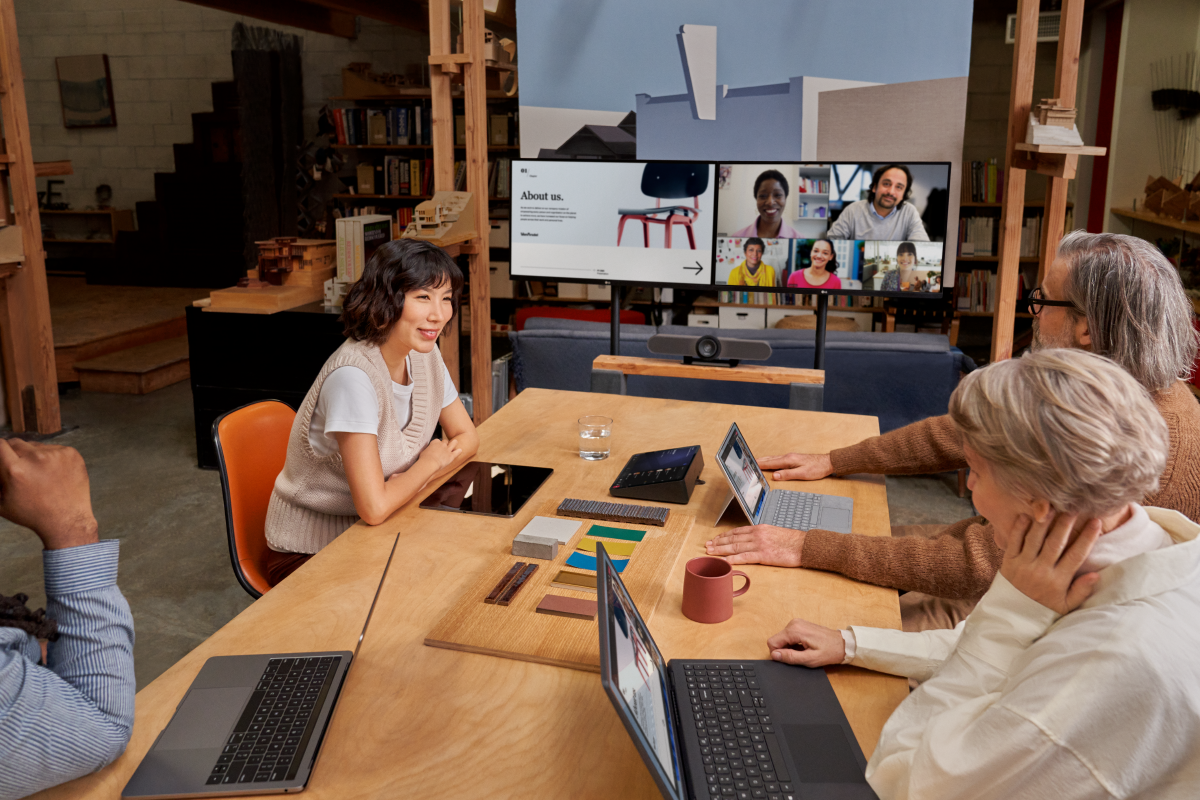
x=781 y=507
x=248 y=724
x=708 y=730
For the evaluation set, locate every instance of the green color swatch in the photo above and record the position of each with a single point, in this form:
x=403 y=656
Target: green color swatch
x=604 y=532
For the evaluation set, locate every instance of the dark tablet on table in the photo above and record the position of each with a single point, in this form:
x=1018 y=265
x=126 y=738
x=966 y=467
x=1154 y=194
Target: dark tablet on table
x=484 y=487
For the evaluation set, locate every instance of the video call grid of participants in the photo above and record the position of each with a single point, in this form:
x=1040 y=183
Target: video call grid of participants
x=851 y=227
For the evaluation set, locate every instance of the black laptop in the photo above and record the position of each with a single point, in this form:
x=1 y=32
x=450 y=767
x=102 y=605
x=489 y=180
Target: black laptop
x=717 y=729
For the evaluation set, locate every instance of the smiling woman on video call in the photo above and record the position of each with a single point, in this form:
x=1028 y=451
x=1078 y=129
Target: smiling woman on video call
x=820 y=274
x=905 y=277
x=770 y=196
x=362 y=443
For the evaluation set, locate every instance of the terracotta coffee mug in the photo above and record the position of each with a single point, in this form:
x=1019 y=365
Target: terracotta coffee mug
x=708 y=589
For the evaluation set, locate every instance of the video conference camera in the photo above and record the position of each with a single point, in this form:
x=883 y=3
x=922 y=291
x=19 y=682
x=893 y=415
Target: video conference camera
x=709 y=349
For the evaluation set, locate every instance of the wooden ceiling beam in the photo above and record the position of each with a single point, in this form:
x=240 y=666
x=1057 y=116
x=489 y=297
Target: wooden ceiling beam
x=309 y=16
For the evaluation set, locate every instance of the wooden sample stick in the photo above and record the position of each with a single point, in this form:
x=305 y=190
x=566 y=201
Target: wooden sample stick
x=516 y=585
x=504 y=582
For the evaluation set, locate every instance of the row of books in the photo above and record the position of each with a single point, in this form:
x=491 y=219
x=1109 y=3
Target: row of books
x=983 y=182
x=1031 y=236
x=812 y=186
x=975 y=290
x=413 y=177
x=501 y=130
x=500 y=177
x=357 y=239
x=396 y=177
x=977 y=236
x=396 y=125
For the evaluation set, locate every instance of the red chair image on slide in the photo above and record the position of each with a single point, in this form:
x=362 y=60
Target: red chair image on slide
x=668 y=181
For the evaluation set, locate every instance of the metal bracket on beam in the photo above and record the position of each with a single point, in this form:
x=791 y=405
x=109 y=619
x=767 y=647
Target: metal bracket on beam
x=608 y=381
x=801 y=396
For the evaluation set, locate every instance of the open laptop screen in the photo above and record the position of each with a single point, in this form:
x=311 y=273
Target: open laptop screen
x=633 y=667
x=745 y=477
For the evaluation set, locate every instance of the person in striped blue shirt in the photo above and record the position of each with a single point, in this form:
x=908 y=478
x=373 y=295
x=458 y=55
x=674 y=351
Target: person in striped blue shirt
x=74 y=714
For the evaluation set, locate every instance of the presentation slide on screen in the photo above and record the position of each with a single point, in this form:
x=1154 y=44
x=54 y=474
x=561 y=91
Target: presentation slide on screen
x=613 y=221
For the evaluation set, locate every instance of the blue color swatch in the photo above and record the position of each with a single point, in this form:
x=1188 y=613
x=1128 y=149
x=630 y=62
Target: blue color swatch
x=585 y=561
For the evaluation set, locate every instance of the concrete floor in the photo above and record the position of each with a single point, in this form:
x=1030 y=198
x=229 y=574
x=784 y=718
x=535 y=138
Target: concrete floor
x=175 y=570
x=148 y=492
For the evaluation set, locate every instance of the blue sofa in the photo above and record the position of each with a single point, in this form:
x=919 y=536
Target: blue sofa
x=898 y=377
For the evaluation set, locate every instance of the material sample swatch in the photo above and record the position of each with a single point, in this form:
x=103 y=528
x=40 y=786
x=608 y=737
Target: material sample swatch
x=605 y=532
x=573 y=607
x=551 y=528
x=612 y=548
x=574 y=581
x=584 y=561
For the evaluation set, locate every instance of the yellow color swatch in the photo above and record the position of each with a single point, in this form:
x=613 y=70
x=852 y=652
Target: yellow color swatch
x=612 y=548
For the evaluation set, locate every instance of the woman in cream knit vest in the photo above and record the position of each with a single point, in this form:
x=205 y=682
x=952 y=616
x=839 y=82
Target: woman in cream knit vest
x=362 y=443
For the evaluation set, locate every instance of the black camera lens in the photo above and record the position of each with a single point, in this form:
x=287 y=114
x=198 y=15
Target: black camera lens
x=708 y=347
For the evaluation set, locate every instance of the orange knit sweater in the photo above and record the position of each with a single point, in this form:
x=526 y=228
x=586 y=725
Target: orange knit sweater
x=962 y=561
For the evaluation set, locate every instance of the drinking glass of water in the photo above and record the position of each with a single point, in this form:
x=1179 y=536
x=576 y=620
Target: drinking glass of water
x=593 y=437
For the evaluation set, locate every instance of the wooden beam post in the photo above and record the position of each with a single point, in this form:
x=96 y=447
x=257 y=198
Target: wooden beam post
x=475 y=109
x=1066 y=79
x=1013 y=210
x=29 y=341
x=442 y=128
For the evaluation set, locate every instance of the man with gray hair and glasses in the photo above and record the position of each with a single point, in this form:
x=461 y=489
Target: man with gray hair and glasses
x=1114 y=295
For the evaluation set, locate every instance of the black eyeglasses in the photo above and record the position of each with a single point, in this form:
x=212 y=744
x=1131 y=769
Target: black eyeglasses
x=1037 y=300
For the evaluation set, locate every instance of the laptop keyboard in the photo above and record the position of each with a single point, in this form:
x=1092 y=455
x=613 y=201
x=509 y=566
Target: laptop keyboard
x=272 y=733
x=738 y=745
x=797 y=510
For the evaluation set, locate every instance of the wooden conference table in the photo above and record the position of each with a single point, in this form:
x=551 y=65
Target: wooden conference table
x=422 y=721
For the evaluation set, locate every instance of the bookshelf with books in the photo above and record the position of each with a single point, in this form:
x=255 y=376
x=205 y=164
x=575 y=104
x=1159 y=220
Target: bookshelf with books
x=387 y=153
x=978 y=244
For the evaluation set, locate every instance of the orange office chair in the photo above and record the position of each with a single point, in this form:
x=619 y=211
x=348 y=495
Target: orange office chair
x=251 y=446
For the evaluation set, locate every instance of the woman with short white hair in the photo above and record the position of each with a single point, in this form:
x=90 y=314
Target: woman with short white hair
x=1078 y=674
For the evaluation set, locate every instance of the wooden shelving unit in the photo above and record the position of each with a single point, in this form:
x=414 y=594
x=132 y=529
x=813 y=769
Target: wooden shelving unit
x=1189 y=226
x=1020 y=158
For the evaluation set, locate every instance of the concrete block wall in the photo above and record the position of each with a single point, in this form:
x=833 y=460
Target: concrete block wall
x=164 y=56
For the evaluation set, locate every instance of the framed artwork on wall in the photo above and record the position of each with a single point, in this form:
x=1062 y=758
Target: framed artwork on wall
x=85 y=87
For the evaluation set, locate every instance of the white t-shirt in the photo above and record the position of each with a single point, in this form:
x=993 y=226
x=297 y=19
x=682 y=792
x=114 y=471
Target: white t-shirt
x=347 y=404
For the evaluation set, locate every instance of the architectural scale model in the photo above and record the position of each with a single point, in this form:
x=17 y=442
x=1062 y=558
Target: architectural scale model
x=446 y=218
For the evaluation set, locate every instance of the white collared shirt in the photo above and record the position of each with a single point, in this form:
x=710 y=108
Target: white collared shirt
x=1021 y=702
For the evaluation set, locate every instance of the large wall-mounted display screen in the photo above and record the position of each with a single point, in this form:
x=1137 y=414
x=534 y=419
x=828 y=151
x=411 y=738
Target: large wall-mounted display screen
x=849 y=228
x=842 y=87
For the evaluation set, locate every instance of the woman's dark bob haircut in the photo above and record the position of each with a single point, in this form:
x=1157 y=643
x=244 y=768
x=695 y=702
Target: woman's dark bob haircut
x=375 y=302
